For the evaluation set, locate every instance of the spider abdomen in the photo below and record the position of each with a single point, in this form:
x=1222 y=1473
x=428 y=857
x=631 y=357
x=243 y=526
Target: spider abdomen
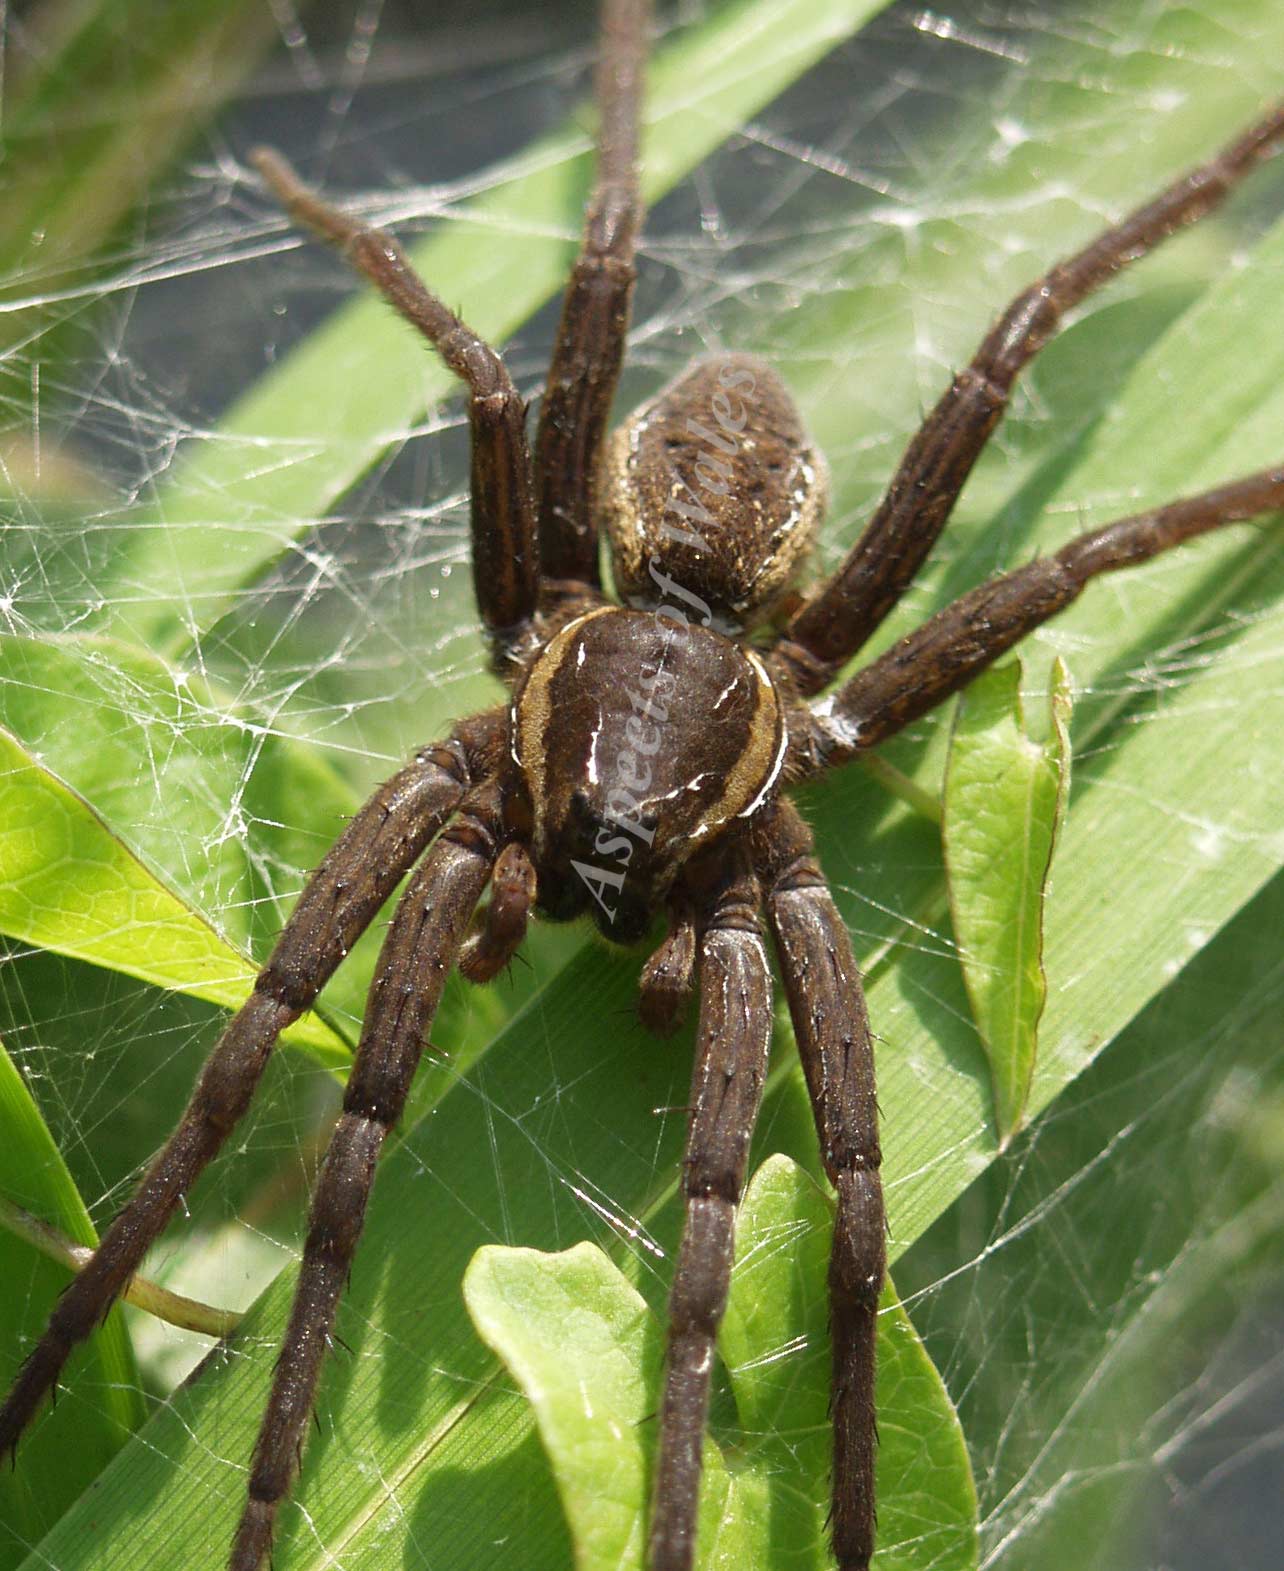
x=641 y=736
x=715 y=485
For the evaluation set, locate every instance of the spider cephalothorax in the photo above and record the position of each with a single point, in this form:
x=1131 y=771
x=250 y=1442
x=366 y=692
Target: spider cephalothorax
x=639 y=769
x=641 y=737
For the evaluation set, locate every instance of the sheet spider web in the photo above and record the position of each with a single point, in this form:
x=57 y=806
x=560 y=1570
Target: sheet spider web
x=234 y=591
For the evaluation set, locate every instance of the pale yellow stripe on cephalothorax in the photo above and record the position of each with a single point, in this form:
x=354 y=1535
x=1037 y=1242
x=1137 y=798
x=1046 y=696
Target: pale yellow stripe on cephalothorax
x=759 y=766
x=533 y=714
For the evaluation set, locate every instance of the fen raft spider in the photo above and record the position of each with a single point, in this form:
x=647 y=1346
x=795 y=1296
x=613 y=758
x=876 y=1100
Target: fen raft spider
x=641 y=768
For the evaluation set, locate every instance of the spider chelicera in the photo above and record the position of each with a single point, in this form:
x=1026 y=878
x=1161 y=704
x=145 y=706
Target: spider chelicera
x=641 y=768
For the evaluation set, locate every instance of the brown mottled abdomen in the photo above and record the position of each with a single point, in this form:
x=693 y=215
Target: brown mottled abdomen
x=714 y=485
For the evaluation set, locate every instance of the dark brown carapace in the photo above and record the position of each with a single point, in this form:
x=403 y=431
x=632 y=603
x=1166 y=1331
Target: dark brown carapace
x=638 y=775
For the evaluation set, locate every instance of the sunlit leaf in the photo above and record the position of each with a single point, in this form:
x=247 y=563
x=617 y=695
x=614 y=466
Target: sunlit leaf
x=587 y=1352
x=582 y=1344
x=110 y=719
x=68 y=884
x=868 y=299
x=1005 y=796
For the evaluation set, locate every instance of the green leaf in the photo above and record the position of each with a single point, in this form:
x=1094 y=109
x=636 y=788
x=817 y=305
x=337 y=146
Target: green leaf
x=1005 y=797
x=111 y=719
x=581 y=1343
x=778 y=1306
x=79 y=1438
x=587 y=1352
x=861 y=234
x=69 y=885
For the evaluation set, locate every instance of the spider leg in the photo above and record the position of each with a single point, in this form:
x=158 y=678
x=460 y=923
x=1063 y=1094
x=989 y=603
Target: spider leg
x=837 y=619
x=418 y=952
x=950 y=648
x=827 y=1006
x=505 y=549
x=338 y=903
x=595 y=311
x=732 y=1041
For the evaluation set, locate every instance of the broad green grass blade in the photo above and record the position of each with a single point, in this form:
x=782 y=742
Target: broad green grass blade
x=1100 y=1299
x=77 y=1440
x=552 y=1135
x=283 y=455
x=69 y=885
x=1005 y=797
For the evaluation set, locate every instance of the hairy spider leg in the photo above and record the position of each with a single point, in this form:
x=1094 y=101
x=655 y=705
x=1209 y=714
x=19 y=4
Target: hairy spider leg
x=831 y=1027
x=417 y=956
x=589 y=349
x=840 y=615
x=505 y=547
x=338 y=903
x=732 y=1043
x=950 y=648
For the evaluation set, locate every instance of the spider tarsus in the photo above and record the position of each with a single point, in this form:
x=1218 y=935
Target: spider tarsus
x=304 y=206
x=277 y=171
